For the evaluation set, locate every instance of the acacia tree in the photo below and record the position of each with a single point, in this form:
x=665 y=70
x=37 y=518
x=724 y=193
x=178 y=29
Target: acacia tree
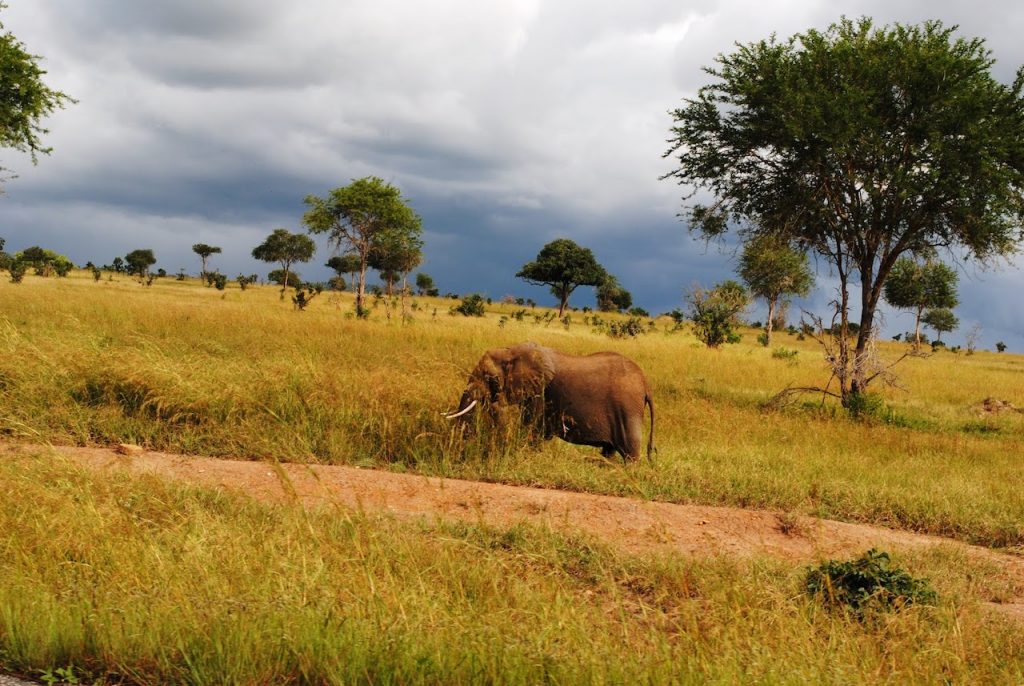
x=345 y=264
x=204 y=251
x=862 y=144
x=139 y=261
x=715 y=312
x=612 y=297
x=285 y=248
x=564 y=266
x=394 y=256
x=941 y=320
x=425 y=284
x=773 y=270
x=24 y=99
x=920 y=286
x=361 y=218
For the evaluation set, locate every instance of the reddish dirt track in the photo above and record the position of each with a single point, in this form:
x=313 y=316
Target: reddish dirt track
x=635 y=526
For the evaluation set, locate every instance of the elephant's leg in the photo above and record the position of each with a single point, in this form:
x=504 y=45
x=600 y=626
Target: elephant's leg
x=608 y=450
x=631 y=441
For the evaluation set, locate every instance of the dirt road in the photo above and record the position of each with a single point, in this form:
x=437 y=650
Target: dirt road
x=635 y=526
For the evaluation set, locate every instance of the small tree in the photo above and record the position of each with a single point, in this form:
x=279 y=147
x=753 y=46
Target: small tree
x=345 y=264
x=361 y=218
x=564 y=266
x=612 y=297
x=425 y=284
x=117 y=264
x=139 y=261
x=284 y=277
x=920 y=286
x=715 y=313
x=285 y=248
x=44 y=262
x=941 y=320
x=394 y=256
x=773 y=270
x=204 y=251
x=471 y=306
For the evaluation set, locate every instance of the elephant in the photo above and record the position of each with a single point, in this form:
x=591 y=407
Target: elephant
x=596 y=400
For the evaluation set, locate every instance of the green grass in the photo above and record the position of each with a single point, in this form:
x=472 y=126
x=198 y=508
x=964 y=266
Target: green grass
x=132 y=578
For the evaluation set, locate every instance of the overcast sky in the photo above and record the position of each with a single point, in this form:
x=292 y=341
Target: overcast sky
x=506 y=124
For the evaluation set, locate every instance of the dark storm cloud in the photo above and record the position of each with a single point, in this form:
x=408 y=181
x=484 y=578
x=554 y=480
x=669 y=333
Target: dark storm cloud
x=506 y=125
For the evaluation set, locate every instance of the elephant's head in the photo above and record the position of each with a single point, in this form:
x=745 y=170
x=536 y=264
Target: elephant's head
x=506 y=377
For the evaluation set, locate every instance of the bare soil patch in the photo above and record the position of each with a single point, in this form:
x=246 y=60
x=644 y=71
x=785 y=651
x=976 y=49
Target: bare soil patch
x=635 y=526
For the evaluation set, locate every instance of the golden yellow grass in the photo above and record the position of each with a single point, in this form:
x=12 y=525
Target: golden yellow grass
x=157 y=583
x=185 y=368
x=142 y=581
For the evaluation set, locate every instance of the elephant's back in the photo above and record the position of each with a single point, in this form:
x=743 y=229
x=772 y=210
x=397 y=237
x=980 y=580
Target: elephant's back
x=603 y=371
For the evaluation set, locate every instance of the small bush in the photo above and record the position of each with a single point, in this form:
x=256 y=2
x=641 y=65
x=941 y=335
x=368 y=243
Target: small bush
x=631 y=328
x=865 y=405
x=1000 y=347
x=785 y=354
x=471 y=306
x=868 y=581
x=18 y=269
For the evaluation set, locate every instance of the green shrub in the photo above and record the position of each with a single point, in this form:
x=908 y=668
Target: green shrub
x=630 y=328
x=868 y=581
x=785 y=354
x=471 y=306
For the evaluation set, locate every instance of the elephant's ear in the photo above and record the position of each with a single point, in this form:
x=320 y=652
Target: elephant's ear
x=528 y=370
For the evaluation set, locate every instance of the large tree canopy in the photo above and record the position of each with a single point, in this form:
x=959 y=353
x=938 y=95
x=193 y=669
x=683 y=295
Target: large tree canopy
x=24 y=99
x=862 y=144
x=564 y=266
x=368 y=218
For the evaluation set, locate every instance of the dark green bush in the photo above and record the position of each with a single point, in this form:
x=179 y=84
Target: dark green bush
x=869 y=581
x=471 y=306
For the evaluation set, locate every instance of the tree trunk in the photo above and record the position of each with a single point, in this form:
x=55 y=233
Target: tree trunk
x=768 y=326
x=870 y=293
x=287 y=271
x=917 y=329
x=361 y=291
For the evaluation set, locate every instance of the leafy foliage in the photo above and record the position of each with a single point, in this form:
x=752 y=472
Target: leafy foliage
x=851 y=143
x=24 y=99
x=139 y=261
x=471 y=306
x=285 y=248
x=44 y=262
x=941 y=320
x=920 y=286
x=368 y=218
x=612 y=297
x=564 y=266
x=425 y=285
x=773 y=270
x=868 y=581
x=204 y=251
x=715 y=312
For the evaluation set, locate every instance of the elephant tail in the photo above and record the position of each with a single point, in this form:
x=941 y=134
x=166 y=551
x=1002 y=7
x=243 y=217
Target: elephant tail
x=650 y=438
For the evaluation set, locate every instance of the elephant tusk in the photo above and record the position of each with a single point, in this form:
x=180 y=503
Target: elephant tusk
x=459 y=414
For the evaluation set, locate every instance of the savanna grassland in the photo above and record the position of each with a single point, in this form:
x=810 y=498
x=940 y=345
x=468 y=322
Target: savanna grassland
x=155 y=582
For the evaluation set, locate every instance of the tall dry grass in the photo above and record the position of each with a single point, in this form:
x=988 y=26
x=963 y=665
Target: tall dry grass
x=181 y=367
x=136 y=580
